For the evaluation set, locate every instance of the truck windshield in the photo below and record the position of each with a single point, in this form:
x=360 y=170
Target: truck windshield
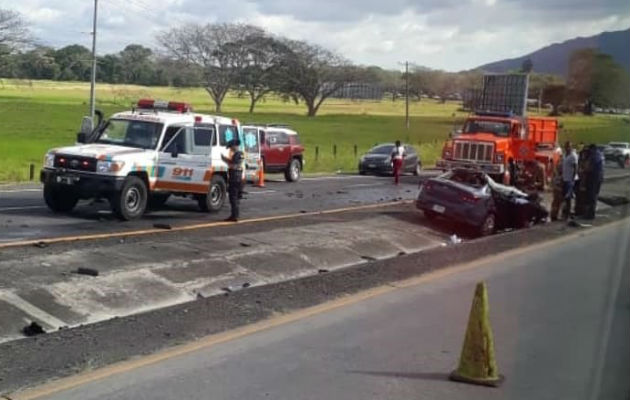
x=139 y=134
x=495 y=127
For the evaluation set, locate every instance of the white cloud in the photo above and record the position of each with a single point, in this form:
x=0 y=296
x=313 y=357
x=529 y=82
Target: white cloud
x=445 y=34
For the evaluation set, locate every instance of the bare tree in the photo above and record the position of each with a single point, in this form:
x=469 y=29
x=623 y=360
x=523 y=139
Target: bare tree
x=260 y=73
x=13 y=30
x=314 y=73
x=213 y=47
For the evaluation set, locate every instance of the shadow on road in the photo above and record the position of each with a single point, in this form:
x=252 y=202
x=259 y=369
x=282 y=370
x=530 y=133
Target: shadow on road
x=427 y=376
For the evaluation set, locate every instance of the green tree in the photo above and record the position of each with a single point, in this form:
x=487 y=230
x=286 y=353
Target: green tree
x=74 y=63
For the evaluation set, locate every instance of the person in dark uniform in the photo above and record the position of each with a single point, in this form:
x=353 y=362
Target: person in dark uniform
x=594 y=180
x=234 y=160
x=513 y=170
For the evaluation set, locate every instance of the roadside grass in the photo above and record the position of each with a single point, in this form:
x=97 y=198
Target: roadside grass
x=38 y=115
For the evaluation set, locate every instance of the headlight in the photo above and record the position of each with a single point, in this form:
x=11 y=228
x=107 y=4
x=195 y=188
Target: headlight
x=447 y=154
x=104 y=167
x=500 y=158
x=49 y=160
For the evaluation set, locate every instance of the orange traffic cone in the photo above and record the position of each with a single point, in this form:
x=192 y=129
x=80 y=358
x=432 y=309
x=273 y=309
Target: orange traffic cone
x=477 y=364
x=261 y=175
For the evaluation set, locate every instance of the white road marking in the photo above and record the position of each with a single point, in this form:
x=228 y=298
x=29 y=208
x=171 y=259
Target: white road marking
x=20 y=190
x=31 y=310
x=21 y=208
x=261 y=192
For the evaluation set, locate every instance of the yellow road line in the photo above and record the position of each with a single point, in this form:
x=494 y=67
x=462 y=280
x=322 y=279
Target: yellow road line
x=71 y=382
x=205 y=225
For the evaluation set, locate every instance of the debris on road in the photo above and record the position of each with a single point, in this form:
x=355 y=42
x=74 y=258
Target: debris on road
x=243 y=244
x=322 y=271
x=246 y=285
x=87 y=271
x=33 y=329
x=41 y=245
x=454 y=239
x=162 y=226
x=368 y=258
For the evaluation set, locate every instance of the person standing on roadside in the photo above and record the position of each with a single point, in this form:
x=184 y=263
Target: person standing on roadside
x=513 y=170
x=234 y=160
x=557 y=188
x=398 y=155
x=569 y=175
x=594 y=179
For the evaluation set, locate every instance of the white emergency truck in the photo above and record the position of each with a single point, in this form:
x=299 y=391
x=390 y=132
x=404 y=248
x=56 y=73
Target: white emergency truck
x=139 y=158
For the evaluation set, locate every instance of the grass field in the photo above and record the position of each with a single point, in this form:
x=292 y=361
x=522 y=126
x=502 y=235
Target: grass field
x=38 y=115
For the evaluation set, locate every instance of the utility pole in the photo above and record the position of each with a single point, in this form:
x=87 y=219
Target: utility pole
x=93 y=80
x=407 y=94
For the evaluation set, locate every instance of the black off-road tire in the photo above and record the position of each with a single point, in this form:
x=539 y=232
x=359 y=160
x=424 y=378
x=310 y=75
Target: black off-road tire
x=59 y=199
x=131 y=201
x=293 y=171
x=215 y=198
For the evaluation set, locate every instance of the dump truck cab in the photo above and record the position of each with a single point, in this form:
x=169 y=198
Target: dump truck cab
x=488 y=139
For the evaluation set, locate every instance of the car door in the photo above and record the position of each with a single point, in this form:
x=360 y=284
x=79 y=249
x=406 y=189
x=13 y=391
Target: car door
x=281 y=149
x=251 y=146
x=184 y=159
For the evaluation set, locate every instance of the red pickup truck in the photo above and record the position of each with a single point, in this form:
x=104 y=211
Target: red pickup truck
x=280 y=149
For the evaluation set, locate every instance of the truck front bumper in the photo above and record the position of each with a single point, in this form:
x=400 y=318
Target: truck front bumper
x=85 y=185
x=487 y=168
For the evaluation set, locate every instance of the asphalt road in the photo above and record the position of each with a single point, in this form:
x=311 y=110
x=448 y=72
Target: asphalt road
x=559 y=313
x=23 y=214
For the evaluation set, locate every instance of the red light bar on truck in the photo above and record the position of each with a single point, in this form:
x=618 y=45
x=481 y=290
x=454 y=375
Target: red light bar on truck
x=151 y=104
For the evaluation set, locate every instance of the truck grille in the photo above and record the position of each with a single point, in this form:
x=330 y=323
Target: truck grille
x=473 y=151
x=75 y=163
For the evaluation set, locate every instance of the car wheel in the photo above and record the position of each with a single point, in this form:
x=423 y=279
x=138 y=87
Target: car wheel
x=488 y=226
x=59 y=200
x=293 y=171
x=215 y=198
x=418 y=168
x=131 y=202
x=430 y=215
x=158 y=200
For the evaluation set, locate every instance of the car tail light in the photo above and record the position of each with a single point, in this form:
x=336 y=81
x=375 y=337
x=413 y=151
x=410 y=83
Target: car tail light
x=469 y=198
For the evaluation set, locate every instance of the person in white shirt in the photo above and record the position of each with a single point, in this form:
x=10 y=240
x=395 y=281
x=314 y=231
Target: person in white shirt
x=398 y=156
x=569 y=175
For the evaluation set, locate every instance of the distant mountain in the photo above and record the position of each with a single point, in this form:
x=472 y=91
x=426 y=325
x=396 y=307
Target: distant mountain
x=554 y=59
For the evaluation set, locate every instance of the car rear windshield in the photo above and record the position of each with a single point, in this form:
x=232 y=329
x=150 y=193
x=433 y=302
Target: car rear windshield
x=384 y=149
x=495 y=127
x=129 y=133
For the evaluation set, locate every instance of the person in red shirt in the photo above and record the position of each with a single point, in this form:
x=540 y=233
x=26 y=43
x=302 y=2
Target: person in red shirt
x=397 y=160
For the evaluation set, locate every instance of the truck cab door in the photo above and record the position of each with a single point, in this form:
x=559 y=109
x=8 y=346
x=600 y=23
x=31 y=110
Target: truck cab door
x=182 y=164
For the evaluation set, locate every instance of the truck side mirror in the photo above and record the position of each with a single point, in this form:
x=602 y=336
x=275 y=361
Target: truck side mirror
x=81 y=137
x=175 y=151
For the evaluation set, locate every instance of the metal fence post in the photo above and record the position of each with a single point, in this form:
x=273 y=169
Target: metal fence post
x=316 y=153
x=31 y=172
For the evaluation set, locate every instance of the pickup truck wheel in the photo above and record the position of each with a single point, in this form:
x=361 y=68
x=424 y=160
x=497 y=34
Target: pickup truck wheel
x=131 y=202
x=293 y=171
x=488 y=226
x=59 y=200
x=214 y=199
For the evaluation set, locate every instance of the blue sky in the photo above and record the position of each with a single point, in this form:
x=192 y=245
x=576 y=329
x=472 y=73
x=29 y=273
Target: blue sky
x=444 y=34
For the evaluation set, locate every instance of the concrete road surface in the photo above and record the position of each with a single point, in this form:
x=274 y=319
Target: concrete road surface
x=561 y=318
x=24 y=215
